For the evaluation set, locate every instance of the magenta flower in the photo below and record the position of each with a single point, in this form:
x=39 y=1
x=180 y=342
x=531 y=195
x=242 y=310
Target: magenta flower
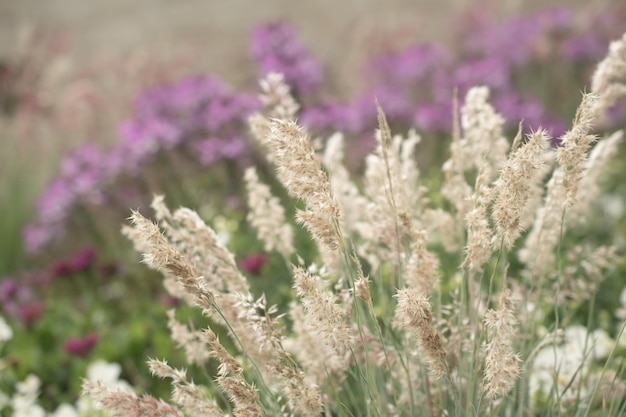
x=30 y=312
x=14 y=294
x=253 y=263
x=199 y=116
x=81 y=346
x=168 y=300
x=79 y=262
x=276 y=47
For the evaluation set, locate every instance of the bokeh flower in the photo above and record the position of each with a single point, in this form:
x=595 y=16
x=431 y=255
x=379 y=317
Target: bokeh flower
x=81 y=260
x=5 y=331
x=30 y=312
x=253 y=263
x=275 y=47
x=81 y=346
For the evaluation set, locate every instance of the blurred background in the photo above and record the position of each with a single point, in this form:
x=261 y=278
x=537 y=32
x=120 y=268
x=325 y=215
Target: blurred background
x=105 y=102
x=335 y=31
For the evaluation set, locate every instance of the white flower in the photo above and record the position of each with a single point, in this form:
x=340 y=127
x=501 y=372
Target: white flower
x=554 y=363
x=65 y=410
x=4 y=400
x=5 y=331
x=28 y=387
x=613 y=206
x=25 y=397
x=108 y=374
x=568 y=361
x=603 y=344
x=105 y=372
x=33 y=410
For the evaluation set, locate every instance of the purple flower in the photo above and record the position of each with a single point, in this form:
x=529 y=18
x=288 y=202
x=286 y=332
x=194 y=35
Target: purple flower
x=433 y=117
x=37 y=236
x=198 y=111
x=81 y=180
x=81 y=346
x=54 y=203
x=79 y=262
x=516 y=41
x=14 y=294
x=83 y=170
x=276 y=48
x=516 y=107
x=322 y=117
x=30 y=312
x=168 y=300
x=253 y=263
x=491 y=72
x=211 y=150
x=584 y=47
x=171 y=117
x=413 y=65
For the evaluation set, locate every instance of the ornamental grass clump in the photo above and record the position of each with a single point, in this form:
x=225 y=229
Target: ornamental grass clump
x=416 y=302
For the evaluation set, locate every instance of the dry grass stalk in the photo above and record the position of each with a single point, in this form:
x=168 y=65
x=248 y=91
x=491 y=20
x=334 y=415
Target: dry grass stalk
x=191 y=341
x=514 y=188
x=123 y=403
x=276 y=97
x=421 y=271
x=267 y=215
x=479 y=233
x=324 y=316
x=303 y=396
x=300 y=171
x=189 y=396
x=353 y=205
x=415 y=312
x=609 y=79
x=159 y=255
x=483 y=143
x=243 y=395
x=594 y=169
x=575 y=144
x=502 y=363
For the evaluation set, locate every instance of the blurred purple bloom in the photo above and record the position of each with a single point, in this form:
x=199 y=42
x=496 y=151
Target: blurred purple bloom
x=412 y=65
x=515 y=108
x=30 y=312
x=168 y=300
x=165 y=117
x=253 y=263
x=81 y=347
x=83 y=169
x=81 y=180
x=37 y=236
x=185 y=112
x=321 y=117
x=211 y=150
x=79 y=262
x=13 y=294
x=393 y=102
x=584 y=47
x=516 y=40
x=433 y=117
x=491 y=72
x=276 y=47
x=55 y=201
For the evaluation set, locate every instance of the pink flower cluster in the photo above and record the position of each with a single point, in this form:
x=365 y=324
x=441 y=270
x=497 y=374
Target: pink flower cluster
x=198 y=116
